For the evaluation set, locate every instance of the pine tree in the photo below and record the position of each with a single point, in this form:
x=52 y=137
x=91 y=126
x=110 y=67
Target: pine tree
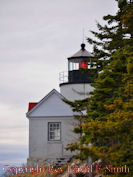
x=108 y=121
x=109 y=37
x=112 y=140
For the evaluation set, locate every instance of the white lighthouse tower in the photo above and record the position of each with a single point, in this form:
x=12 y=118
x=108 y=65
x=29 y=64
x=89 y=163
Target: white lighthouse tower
x=75 y=84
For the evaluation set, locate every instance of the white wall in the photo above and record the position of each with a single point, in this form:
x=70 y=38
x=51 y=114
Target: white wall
x=40 y=147
x=76 y=91
x=52 y=106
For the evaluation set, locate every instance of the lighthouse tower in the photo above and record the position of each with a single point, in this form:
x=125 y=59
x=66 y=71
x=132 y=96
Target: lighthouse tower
x=75 y=84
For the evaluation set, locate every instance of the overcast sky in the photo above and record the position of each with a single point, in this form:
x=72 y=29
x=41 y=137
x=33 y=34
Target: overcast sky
x=36 y=37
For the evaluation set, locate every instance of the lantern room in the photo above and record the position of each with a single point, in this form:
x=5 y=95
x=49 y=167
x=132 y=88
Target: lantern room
x=82 y=59
x=79 y=65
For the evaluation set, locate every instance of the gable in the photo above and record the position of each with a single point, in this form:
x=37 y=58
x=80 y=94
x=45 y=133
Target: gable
x=51 y=106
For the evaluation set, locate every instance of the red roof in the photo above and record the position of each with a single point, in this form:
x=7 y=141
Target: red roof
x=31 y=105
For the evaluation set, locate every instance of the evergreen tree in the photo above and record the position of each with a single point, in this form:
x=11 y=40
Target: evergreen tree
x=112 y=138
x=111 y=36
x=106 y=118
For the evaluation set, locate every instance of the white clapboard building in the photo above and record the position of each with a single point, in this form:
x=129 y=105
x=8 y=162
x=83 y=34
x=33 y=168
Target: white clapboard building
x=51 y=120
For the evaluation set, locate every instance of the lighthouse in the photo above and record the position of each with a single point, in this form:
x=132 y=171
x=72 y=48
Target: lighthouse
x=51 y=120
x=75 y=83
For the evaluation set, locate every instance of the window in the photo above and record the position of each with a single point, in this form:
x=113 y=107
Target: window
x=54 y=131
